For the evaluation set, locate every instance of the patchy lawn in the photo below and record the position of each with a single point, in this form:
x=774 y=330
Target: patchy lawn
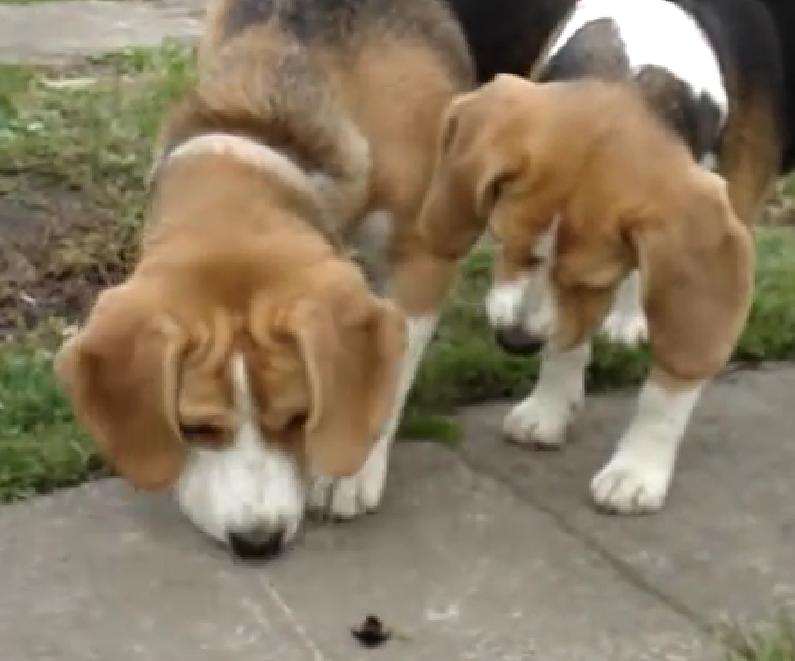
x=41 y=448
x=774 y=643
x=76 y=148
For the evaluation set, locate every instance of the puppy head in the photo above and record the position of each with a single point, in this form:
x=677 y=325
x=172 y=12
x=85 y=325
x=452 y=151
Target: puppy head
x=232 y=375
x=561 y=174
x=497 y=164
x=508 y=157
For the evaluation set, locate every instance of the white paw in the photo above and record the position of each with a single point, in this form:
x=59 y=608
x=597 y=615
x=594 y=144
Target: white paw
x=349 y=497
x=633 y=482
x=540 y=421
x=629 y=329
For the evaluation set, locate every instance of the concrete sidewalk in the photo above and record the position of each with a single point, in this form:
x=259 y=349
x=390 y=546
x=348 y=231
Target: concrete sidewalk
x=61 y=32
x=489 y=552
x=485 y=553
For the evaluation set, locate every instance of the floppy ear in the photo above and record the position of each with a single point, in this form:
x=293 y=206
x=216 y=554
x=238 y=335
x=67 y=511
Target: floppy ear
x=121 y=373
x=697 y=271
x=466 y=180
x=352 y=371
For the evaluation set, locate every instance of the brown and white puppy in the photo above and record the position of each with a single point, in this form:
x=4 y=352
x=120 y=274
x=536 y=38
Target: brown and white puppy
x=246 y=364
x=598 y=187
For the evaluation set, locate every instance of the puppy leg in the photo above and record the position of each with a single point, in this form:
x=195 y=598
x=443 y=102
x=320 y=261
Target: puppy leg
x=419 y=285
x=636 y=479
x=349 y=497
x=544 y=417
x=626 y=323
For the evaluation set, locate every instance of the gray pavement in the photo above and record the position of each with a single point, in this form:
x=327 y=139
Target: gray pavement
x=60 y=32
x=486 y=552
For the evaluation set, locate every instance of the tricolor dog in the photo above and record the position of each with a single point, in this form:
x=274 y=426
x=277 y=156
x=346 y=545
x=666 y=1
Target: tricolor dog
x=247 y=364
x=621 y=184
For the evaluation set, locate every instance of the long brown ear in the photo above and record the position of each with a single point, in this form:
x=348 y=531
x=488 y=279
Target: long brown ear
x=121 y=373
x=697 y=271
x=352 y=370
x=464 y=182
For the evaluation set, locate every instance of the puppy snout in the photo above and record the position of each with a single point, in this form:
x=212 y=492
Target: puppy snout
x=257 y=543
x=516 y=340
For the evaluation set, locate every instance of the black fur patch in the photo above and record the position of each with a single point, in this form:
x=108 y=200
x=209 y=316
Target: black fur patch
x=243 y=13
x=783 y=13
x=595 y=50
x=507 y=36
x=343 y=23
x=753 y=39
x=696 y=119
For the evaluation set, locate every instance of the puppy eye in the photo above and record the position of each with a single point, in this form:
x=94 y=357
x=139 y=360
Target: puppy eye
x=201 y=433
x=532 y=262
x=297 y=422
x=497 y=187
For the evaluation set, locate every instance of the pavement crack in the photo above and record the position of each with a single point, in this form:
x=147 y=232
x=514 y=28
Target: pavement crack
x=289 y=615
x=622 y=569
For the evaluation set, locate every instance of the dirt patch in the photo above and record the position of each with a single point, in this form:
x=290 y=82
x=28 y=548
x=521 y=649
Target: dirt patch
x=57 y=252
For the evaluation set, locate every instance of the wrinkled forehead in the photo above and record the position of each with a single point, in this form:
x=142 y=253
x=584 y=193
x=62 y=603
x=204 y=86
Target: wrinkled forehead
x=234 y=373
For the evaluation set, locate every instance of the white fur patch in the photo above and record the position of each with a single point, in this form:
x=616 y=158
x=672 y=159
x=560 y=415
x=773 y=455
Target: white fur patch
x=505 y=302
x=543 y=418
x=657 y=33
x=626 y=322
x=528 y=301
x=246 y=151
x=636 y=479
x=350 y=497
x=249 y=486
x=710 y=161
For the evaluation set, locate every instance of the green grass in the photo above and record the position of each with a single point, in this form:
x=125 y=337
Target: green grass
x=465 y=366
x=94 y=143
x=97 y=138
x=789 y=185
x=41 y=447
x=773 y=643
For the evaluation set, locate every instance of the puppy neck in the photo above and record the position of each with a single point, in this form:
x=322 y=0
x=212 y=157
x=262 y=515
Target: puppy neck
x=247 y=151
x=262 y=159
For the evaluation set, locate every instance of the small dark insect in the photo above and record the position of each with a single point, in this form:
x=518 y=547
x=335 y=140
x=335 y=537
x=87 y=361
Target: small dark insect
x=371 y=633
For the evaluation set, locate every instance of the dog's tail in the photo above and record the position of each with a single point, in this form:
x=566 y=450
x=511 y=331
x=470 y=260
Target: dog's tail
x=276 y=95
x=337 y=155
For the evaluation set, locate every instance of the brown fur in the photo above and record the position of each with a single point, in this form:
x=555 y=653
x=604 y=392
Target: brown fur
x=238 y=261
x=518 y=153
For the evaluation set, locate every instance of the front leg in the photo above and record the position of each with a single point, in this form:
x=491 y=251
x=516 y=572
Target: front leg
x=419 y=285
x=637 y=478
x=543 y=418
x=349 y=497
x=626 y=322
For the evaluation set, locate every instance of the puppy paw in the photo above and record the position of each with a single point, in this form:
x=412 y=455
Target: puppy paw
x=539 y=421
x=632 y=483
x=349 y=497
x=628 y=329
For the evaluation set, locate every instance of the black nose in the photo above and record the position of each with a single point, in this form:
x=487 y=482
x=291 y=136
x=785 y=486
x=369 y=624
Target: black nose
x=516 y=340
x=257 y=544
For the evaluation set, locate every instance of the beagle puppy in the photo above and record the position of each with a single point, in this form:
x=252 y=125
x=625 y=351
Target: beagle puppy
x=620 y=185
x=247 y=364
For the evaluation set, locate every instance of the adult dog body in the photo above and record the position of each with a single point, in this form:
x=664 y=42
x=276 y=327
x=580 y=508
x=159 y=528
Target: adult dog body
x=246 y=363
x=598 y=186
